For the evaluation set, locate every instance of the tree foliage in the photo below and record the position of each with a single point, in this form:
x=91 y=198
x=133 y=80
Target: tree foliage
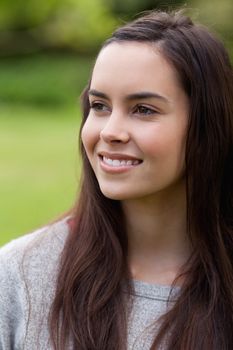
x=81 y=25
x=34 y=24
x=129 y=8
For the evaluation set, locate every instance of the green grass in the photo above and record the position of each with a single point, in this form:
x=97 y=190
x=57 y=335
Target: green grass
x=39 y=125
x=39 y=168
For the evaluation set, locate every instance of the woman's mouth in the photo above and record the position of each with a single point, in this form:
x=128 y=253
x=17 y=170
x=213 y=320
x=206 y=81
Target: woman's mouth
x=120 y=162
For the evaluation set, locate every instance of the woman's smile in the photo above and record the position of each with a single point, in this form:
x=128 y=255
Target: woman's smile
x=116 y=163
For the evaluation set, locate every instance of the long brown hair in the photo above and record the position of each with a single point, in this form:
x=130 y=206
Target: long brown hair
x=90 y=308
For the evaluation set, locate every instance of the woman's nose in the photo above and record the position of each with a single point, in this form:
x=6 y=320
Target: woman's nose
x=115 y=130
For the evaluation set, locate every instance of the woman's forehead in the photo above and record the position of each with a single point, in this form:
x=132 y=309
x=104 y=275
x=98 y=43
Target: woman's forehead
x=132 y=67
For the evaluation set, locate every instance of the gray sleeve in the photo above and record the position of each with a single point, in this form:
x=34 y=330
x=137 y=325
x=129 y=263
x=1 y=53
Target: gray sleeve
x=28 y=274
x=13 y=307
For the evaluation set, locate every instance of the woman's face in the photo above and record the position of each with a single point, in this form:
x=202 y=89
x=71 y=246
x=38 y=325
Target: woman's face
x=135 y=132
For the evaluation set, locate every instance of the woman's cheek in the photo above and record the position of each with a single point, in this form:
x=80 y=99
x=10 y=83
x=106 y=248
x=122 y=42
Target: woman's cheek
x=87 y=134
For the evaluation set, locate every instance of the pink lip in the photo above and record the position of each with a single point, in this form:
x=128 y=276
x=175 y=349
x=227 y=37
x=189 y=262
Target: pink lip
x=117 y=156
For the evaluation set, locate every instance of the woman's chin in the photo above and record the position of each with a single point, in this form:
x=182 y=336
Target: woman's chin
x=115 y=195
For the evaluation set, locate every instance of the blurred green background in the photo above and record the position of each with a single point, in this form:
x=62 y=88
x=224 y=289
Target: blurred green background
x=47 y=48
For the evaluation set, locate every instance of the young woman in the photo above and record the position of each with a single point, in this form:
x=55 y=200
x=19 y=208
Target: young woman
x=145 y=260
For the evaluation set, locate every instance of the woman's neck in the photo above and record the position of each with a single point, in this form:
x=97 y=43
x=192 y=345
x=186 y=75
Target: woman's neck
x=158 y=243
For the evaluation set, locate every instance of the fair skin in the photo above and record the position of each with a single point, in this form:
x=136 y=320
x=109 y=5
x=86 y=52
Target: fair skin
x=134 y=138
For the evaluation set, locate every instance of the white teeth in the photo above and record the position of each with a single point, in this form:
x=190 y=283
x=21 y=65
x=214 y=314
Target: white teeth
x=118 y=162
x=108 y=160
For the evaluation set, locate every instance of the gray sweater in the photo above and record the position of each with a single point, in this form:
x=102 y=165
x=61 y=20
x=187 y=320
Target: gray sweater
x=28 y=270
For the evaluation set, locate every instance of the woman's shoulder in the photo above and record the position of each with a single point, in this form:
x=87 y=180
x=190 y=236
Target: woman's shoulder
x=32 y=255
x=48 y=239
x=28 y=270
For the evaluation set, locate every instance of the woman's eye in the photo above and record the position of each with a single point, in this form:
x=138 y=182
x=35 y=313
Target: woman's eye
x=98 y=106
x=144 y=110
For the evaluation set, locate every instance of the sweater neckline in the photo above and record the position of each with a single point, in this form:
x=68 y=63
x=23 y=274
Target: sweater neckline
x=155 y=291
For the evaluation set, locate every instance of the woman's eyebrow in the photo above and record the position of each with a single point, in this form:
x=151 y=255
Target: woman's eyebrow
x=134 y=96
x=97 y=93
x=146 y=94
